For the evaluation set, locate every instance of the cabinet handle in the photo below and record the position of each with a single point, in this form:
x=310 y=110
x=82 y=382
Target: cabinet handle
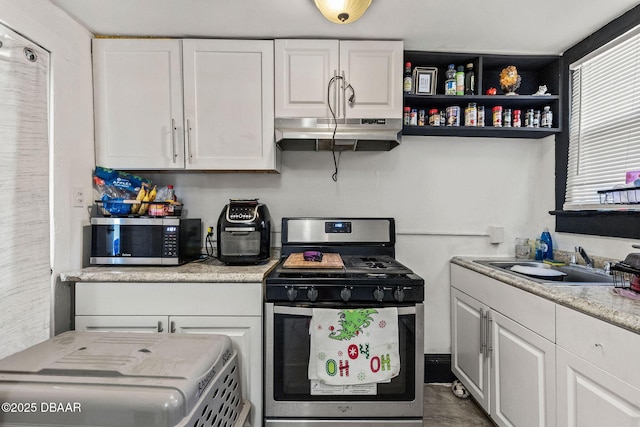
x=160 y=328
x=489 y=334
x=172 y=326
x=483 y=331
x=173 y=140
x=189 y=140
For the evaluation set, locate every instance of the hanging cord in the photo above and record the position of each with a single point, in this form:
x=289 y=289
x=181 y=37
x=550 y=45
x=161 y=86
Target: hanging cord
x=336 y=160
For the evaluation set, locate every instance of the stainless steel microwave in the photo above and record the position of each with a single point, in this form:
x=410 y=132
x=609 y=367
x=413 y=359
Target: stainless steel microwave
x=144 y=241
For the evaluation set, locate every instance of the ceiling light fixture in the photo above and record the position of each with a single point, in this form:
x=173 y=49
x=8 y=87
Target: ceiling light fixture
x=343 y=11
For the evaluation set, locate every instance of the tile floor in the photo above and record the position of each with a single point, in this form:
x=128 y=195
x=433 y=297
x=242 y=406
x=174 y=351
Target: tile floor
x=443 y=409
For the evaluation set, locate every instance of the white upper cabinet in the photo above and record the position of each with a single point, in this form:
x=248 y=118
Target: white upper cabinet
x=228 y=104
x=138 y=103
x=303 y=70
x=360 y=79
x=184 y=104
x=374 y=70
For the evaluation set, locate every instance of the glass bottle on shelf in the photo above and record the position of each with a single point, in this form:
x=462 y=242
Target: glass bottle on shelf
x=408 y=79
x=546 y=120
x=480 y=121
x=406 y=116
x=469 y=80
x=460 y=81
x=450 y=80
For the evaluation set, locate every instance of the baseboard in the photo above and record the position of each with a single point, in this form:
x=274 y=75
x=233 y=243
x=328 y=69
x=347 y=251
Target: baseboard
x=437 y=368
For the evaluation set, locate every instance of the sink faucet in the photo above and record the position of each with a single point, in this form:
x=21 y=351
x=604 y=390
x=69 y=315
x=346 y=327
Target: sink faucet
x=584 y=256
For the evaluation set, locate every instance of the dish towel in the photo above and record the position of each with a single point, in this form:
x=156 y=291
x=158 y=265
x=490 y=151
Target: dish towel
x=354 y=346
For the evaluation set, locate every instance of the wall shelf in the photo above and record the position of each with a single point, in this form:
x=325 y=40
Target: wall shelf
x=534 y=70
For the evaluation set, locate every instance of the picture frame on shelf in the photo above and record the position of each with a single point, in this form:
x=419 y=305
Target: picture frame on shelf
x=424 y=80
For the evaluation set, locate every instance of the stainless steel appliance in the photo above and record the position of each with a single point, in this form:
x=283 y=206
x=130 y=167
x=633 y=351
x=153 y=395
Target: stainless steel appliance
x=371 y=277
x=124 y=380
x=145 y=241
x=320 y=134
x=244 y=232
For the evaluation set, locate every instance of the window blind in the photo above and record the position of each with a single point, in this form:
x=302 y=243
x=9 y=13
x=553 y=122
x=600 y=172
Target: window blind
x=604 y=127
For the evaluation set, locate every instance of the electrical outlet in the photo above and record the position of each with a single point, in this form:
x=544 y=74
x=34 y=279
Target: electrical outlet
x=78 y=197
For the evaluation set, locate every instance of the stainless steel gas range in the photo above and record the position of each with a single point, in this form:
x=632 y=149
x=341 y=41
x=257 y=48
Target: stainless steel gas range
x=359 y=271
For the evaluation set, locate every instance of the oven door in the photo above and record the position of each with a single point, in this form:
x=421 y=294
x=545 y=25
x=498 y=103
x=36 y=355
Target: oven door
x=288 y=391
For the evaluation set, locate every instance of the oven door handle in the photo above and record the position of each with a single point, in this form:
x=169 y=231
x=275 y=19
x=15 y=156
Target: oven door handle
x=308 y=311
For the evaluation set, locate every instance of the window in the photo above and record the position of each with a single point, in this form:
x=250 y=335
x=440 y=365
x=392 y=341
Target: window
x=25 y=285
x=604 y=126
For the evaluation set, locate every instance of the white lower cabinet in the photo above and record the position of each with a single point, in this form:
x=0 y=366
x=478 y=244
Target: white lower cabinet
x=468 y=345
x=506 y=361
x=523 y=369
x=232 y=309
x=598 y=383
x=591 y=397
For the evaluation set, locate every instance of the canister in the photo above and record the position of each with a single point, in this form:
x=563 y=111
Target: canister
x=517 y=120
x=471 y=115
x=453 y=115
x=506 y=118
x=434 y=117
x=497 y=116
x=421 y=117
x=481 y=115
x=413 y=121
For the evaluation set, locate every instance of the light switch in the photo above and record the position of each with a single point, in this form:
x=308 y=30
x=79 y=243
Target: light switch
x=78 y=197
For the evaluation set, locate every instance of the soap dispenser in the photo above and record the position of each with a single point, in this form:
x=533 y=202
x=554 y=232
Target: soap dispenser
x=547 y=253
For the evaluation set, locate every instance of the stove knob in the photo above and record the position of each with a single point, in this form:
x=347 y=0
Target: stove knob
x=345 y=294
x=312 y=293
x=378 y=294
x=398 y=294
x=292 y=293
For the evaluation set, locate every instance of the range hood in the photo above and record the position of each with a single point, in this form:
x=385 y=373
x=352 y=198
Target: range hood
x=313 y=134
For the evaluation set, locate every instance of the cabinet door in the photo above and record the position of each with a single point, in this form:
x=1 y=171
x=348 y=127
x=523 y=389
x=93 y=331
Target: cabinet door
x=153 y=324
x=228 y=98
x=468 y=353
x=246 y=334
x=591 y=397
x=138 y=104
x=374 y=70
x=303 y=70
x=522 y=375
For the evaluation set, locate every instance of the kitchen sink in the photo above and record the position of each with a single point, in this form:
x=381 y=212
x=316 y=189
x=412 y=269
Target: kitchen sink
x=557 y=275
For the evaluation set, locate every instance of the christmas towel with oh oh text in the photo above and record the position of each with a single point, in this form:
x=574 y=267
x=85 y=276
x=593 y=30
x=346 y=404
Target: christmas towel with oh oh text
x=354 y=346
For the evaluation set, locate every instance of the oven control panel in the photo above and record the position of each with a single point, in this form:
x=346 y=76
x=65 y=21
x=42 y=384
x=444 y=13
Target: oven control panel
x=337 y=227
x=300 y=293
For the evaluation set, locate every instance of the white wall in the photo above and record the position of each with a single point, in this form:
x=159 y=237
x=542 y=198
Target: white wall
x=436 y=188
x=71 y=125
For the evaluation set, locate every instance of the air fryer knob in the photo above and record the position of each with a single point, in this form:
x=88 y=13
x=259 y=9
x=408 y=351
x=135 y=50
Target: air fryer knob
x=345 y=294
x=292 y=293
x=312 y=294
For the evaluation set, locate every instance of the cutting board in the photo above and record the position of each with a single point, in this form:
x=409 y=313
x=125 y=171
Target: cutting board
x=296 y=260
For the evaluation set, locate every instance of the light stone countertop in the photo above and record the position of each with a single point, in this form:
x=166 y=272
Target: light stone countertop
x=210 y=270
x=601 y=302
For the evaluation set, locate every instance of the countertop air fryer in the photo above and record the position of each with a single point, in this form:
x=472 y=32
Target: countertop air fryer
x=244 y=232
